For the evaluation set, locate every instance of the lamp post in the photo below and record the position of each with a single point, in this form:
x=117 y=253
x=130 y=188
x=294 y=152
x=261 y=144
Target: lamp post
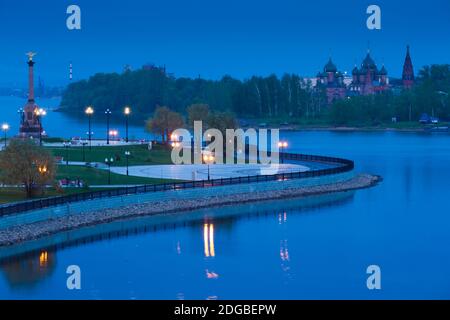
x=127 y=155
x=114 y=134
x=442 y=94
x=126 y=112
x=208 y=159
x=84 y=153
x=109 y=163
x=89 y=112
x=282 y=145
x=21 y=115
x=5 y=128
x=39 y=114
x=108 y=114
x=42 y=169
x=66 y=146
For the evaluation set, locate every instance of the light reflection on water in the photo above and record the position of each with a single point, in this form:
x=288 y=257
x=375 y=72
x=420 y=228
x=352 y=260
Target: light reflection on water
x=24 y=272
x=284 y=249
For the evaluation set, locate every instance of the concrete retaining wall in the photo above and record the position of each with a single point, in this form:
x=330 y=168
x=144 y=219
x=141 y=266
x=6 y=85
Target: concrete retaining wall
x=196 y=193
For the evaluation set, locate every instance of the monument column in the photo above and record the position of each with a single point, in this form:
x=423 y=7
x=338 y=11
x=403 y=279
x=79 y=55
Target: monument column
x=30 y=78
x=31 y=125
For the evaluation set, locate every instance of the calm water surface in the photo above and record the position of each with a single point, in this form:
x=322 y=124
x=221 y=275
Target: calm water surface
x=58 y=124
x=304 y=248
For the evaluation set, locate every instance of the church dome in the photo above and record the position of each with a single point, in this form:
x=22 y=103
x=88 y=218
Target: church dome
x=330 y=66
x=368 y=62
x=383 y=71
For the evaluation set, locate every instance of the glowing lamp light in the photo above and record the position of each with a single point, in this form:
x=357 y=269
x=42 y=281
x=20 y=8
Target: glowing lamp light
x=40 y=112
x=5 y=127
x=208 y=158
x=282 y=144
x=42 y=169
x=89 y=110
x=113 y=133
x=127 y=110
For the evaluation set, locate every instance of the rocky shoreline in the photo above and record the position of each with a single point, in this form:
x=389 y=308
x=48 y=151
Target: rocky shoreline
x=18 y=234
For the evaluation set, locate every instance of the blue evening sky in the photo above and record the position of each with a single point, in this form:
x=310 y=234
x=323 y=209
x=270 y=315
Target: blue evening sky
x=216 y=37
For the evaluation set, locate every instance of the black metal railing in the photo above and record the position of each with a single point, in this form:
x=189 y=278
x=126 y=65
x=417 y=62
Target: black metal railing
x=339 y=166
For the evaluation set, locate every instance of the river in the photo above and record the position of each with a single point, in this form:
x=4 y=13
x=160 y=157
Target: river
x=63 y=125
x=298 y=249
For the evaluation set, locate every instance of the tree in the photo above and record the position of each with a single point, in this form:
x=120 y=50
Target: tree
x=197 y=112
x=164 y=121
x=222 y=121
x=25 y=163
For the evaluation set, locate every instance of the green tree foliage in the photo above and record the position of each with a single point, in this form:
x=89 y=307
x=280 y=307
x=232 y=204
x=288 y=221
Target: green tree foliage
x=259 y=97
x=147 y=88
x=197 y=112
x=164 y=121
x=25 y=163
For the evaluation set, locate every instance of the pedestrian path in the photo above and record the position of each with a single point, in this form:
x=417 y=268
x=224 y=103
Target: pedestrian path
x=200 y=171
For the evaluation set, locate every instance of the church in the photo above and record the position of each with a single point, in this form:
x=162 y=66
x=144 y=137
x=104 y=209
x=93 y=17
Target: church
x=365 y=80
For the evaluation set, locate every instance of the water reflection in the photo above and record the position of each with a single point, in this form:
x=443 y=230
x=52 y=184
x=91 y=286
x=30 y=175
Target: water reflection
x=31 y=262
x=208 y=240
x=29 y=269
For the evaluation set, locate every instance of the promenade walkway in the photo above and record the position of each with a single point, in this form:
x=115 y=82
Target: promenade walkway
x=200 y=171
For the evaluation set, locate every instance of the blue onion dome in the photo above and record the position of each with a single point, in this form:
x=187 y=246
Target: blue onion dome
x=383 y=71
x=355 y=70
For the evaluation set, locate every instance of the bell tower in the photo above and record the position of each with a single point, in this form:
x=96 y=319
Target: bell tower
x=408 y=71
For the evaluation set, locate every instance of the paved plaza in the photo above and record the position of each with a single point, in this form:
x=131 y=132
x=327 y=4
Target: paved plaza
x=200 y=171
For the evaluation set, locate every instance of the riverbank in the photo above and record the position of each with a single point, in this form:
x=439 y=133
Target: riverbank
x=18 y=234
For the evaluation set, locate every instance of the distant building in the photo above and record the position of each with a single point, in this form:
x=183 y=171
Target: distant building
x=408 y=71
x=332 y=81
x=368 y=79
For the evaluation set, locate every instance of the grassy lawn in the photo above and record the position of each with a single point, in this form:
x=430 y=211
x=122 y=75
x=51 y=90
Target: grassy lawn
x=93 y=176
x=90 y=175
x=140 y=155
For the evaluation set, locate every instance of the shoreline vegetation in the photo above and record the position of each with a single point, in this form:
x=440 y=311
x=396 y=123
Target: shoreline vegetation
x=34 y=231
x=288 y=98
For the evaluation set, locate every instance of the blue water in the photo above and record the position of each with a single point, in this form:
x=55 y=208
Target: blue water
x=58 y=124
x=296 y=249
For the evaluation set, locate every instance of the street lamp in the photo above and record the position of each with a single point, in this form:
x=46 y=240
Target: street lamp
x=282 y=145
x=175 y=141
x=442 y=94
x=109 y=163
x=84 y=153
x=89 y=112
x=108 y=114
x=208 y=159
x=42 y=169
x=5 y=128
x=66 y=146
x=21 y=115
x=126 y=112
x=113 y=133
x=127 y=155
x=39 y=114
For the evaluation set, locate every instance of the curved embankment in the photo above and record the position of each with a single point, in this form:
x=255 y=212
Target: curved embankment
x=41 y=229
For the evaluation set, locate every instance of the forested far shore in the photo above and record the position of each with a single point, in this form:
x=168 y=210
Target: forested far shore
x=287 y=97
